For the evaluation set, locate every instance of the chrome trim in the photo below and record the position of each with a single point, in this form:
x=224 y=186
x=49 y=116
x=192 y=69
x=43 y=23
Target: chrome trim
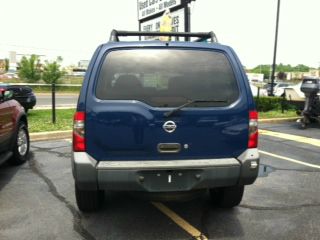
x=167 y=164
x=169 y=147
x=169 y=126
x=22 y=142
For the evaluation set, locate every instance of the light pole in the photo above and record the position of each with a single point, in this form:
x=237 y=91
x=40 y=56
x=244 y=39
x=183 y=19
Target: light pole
x=275 y=49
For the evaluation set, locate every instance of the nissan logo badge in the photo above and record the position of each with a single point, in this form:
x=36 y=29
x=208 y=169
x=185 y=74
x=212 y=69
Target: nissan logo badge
x=169 y=126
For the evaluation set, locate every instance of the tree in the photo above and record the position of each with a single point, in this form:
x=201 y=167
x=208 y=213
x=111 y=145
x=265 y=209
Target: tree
x=52 y=71
x=30 y=69
x=265 y=69
x=301 y=68
x=6 y=66
x=282 y=75
x=283 y=68
x=280 y=68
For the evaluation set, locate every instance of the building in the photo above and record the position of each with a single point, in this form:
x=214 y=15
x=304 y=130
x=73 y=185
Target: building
x=255 y=77
x=2 y=66
x=301 y=75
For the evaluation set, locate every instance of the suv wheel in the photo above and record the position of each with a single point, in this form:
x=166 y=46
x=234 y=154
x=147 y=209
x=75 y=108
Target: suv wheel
x=227 y=197
x=88 y=201
x=21 y=145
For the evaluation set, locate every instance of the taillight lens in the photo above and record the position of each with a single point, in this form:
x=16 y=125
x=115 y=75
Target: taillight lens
x=253 y=129
x=79 y=143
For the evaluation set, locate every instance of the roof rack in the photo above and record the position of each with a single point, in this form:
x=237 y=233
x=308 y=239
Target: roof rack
x=202 y=36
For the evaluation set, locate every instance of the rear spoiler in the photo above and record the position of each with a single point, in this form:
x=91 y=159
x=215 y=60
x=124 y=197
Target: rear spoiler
x=202 y=36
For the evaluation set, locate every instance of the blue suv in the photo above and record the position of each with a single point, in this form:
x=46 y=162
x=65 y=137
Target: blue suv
x=171 y=116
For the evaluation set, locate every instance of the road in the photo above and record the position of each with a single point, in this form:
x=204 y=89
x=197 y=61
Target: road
x=44 y=100
x=37 y=199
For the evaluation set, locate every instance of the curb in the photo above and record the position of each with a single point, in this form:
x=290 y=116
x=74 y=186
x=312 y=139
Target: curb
x=47 y=107
x=278 y=120
x=57 y=94
x=43 y=136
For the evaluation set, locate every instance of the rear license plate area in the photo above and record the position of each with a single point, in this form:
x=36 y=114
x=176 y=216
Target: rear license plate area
x=169 y=180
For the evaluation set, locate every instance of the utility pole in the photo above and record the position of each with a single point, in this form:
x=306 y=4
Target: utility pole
x=187 y=17
x=275 y=49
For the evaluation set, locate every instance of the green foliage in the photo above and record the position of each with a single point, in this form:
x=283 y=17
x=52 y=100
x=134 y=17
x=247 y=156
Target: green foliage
x=282 y=75
x=41 y=120
x=30 y=68
x=59 y=89
x=265 y=104
x=301 y=68
x=284 y=68
x=52 y=71
x=278 y=114
x=288 y=68
x=6 y=64
x=264 y=69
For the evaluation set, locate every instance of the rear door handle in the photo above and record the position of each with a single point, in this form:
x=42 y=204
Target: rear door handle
x=169 y=147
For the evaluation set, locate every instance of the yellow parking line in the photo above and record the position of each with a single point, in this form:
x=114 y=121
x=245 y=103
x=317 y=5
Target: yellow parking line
x=195 y=233
x=290 y=159
x=311 y=141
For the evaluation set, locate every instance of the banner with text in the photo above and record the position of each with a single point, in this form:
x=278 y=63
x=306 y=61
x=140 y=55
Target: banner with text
x=153 y=25
x=147 y=8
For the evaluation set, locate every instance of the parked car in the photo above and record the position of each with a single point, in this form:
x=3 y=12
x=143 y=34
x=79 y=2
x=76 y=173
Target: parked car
x=14 y=136
x=164 y=117
x=9 y=76
x=277 y=85
x=280 y=88
x=22 y=94
x=262 y=92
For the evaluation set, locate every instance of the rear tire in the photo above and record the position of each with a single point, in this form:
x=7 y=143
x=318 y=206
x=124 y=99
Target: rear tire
x=21 y=145
x=227 y=197
x=303 y=126
x=89 y=201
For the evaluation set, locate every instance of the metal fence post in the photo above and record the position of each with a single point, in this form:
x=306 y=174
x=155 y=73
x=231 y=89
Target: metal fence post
x=283 y=100
x=53 y=91
x=258 y=97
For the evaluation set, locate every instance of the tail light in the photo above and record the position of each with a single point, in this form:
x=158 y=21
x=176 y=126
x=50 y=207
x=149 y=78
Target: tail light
x=253 y=129
x=79 y=143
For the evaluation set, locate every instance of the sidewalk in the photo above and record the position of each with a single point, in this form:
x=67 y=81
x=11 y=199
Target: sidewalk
x=43 y=136
x=60 y=106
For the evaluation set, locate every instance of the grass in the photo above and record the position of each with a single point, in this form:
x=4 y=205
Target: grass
x=65 y=80
x=278 y=114
x=41 y=120
x=47 y=89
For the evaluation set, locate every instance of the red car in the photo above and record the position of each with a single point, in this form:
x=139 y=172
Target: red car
x=14 y=135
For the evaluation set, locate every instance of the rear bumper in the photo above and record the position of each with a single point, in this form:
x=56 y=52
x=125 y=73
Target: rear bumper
x=164 y=176
x=27 y=102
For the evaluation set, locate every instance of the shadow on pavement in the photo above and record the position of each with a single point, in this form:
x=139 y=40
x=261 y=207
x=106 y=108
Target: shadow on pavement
x=127 y=216
x=7 y=172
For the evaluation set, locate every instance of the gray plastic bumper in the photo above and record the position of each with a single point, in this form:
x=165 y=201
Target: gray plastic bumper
x=162 y=176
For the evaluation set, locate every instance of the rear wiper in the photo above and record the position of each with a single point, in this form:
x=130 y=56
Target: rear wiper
x=168 y=114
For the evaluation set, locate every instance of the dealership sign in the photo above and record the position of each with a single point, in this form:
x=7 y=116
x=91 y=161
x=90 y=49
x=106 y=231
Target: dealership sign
x=147 y=8
x=153 y=25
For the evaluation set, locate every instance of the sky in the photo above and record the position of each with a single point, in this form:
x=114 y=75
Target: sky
x=73 y=29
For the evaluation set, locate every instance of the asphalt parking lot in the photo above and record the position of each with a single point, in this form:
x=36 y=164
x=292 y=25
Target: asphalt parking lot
x=37 y=199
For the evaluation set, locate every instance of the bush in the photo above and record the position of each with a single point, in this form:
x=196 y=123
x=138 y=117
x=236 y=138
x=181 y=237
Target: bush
x=265 y=104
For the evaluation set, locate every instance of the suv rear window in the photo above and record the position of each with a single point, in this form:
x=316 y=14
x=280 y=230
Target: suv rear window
x=167 y=78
